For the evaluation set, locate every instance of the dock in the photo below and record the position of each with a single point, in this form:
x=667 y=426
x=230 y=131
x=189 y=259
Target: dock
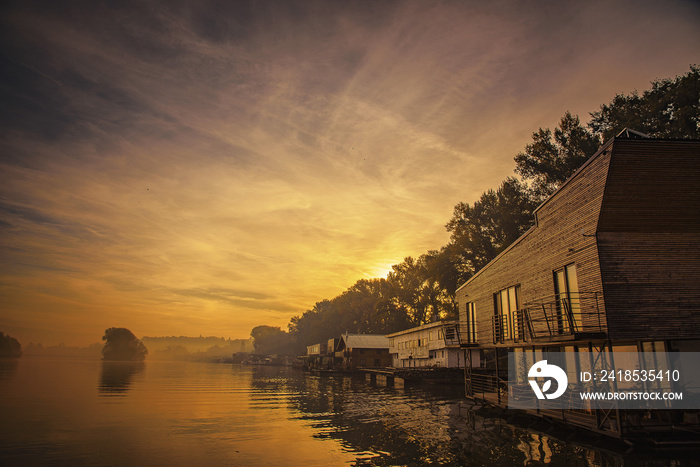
x=398 y=377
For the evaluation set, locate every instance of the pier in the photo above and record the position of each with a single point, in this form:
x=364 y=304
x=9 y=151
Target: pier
x=398 y=377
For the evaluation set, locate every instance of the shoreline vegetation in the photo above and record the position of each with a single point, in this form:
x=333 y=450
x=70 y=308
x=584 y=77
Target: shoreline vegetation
x=175 y=348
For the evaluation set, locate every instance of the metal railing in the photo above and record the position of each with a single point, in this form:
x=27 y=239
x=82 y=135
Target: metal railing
x=451 y=335
x=559 y=315
x=467 y=336
x=415 y=352
x=487 y=386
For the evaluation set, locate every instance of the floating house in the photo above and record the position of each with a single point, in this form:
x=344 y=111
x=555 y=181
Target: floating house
x=357 y=351
x=331 y=361
x=611 y=264
x=430 y=345
x=315 y=355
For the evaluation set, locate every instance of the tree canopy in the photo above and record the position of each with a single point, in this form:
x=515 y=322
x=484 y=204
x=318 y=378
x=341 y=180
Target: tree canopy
x=670 y=109
x=551 y=158
x=9 y=346
x=270 y=340
x=479 y=232
x=121 y=344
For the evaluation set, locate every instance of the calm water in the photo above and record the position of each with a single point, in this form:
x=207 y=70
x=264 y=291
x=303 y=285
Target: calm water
x=84 y=412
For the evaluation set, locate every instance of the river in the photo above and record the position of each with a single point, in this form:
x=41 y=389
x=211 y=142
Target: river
x=86 y=412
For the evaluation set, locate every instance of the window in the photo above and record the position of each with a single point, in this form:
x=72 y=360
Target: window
x=430 y=335
x=568 y=299
x=471 y=323
x=506 y=303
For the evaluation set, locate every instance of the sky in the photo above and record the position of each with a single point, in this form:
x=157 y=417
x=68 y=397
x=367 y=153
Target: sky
x=201 y=168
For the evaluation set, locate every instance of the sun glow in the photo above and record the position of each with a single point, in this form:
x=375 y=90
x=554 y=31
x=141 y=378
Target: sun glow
x=381 y=271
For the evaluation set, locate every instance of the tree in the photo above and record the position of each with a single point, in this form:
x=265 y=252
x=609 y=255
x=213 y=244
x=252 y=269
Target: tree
x=418 y=288
x=670 y=109
x=406 y=280
x=9 y=346
x=122 y=344
x=270 y=340
x=441 y=282
x=479 y=232
x=548 y=161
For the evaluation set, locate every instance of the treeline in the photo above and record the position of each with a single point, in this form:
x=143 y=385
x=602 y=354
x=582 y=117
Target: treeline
x=62 y=350
x=195 y=348
x=419 y=288
x=194 y=344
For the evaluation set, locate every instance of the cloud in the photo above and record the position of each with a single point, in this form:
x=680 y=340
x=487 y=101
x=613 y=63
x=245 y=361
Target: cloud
x=192 y=166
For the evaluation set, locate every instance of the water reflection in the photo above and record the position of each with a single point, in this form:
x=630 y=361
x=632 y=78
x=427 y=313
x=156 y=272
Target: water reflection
x=429 y=425
x=183 y=413
x=116 y=377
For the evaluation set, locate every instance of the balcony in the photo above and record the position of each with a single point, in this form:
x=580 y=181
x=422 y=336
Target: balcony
x=553 y=318
x=467 y=336
x=416 y=352
x=451 y=336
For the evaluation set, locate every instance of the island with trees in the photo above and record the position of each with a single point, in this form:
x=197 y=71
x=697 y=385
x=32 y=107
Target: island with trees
x=9 y=347
x=122 y=345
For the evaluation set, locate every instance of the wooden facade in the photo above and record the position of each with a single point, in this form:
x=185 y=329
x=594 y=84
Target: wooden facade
x=357 y=351
x=612 y=262
x=649 y=240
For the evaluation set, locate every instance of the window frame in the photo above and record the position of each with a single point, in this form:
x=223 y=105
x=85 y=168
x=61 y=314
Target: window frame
x=507 y=322
x=567 y=276
x=470 y=313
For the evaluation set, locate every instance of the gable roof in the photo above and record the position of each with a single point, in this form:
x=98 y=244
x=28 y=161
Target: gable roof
x=365 y=341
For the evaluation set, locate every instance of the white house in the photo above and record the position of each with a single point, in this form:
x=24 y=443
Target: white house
x=430 y=345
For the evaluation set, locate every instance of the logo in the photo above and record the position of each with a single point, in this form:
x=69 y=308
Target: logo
x=543 y=370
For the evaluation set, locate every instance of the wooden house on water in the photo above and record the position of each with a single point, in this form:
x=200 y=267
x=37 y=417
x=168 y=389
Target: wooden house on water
x=315 y=355
x=612 y=263
x=431 y=345
x=363 y=351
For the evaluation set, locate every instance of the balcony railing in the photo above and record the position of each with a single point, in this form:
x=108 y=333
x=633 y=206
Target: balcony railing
x=487 y=386
x=415 y=352
x=451 y=335
x=556 y=316
x=467 y=335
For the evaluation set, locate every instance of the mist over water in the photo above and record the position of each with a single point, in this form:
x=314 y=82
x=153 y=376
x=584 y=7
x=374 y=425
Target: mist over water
x=87 y=412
